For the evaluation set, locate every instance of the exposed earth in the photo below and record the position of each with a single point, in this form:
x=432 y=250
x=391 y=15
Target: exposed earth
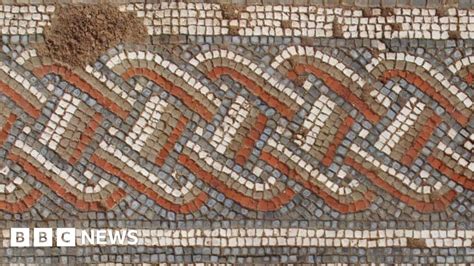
x=80 y=33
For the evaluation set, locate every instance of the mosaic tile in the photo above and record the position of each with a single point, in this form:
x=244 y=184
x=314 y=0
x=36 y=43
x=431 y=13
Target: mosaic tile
x=246 y=133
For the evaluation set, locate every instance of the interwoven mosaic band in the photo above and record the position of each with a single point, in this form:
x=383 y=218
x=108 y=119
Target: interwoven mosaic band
x=258 y=134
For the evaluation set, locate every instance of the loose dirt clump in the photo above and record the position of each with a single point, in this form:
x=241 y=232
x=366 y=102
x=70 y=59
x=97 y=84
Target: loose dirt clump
x=79 y=34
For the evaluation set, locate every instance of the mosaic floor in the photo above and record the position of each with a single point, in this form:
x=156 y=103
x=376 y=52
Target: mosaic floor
x=244 y=133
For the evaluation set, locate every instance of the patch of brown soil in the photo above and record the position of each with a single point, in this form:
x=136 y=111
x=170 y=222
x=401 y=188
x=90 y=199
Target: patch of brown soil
x=416 y=243
x=396 y=26
x=441 y=11
x=367 y=12
x=388 y=12
x=286 y=24
x=234 y=30
x=454 y=35
x=79 y=34
x=231 y=11
x=336 y=29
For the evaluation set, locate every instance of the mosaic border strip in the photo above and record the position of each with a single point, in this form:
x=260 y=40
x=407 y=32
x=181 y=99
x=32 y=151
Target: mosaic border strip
x=417 y=252
x=198 y=19
x=290 y=237
x=324 y=3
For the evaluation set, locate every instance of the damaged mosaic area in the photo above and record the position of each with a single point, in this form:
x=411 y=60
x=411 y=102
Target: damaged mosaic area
x=245 y=146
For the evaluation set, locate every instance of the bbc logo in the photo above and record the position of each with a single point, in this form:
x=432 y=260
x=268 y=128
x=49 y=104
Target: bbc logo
x=66 y=237
x=42 y=237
